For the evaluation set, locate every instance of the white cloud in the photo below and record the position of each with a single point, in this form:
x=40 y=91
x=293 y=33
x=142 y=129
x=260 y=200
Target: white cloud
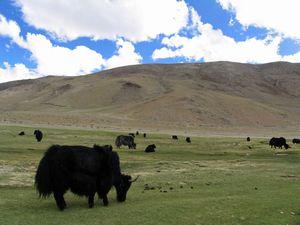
x=292 y=58
x=134 y=20
x=225 y=49
x=213 y=45
x=11 y=29
x=164 y=53
x=56 y=60
x=126 y=55
x=280 y=16
x=195 y=18
x=18 y=72
x=50 y=59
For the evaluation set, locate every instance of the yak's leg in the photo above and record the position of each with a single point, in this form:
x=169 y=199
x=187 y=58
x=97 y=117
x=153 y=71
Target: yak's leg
x=91 y=201
x=60 y=202
x=64 y=202
x=105 y=201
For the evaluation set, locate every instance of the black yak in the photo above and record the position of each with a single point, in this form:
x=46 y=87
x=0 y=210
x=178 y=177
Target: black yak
x=144 y=135
x=188 y=140
x=125 y=140
x=84 y=171
x=38 y=135
x=296 y=141
x=174 y=137
x=22 y=133
x=150 y=148
x=248 y=138
x=278 y=142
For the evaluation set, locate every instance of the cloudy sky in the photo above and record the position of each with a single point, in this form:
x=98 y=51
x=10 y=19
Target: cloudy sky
x=76 y=37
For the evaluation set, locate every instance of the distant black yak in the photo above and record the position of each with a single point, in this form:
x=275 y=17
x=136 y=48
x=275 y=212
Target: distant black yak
x=174 y=137
x=248 y=138
x=82 y=169
x=278 y=142
x=22 y=133
x=144 y=135
x=125 y=140
x=150 y=148
x=188 y=140
x=296 y=141
x=38 y=135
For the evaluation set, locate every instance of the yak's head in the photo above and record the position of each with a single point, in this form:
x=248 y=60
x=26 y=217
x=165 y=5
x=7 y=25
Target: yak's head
x=123 y=187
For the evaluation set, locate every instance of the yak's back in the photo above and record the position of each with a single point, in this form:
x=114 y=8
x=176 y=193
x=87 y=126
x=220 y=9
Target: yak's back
x=83 y=159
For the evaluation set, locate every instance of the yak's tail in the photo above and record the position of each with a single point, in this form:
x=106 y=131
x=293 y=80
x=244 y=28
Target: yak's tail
x=43 y=180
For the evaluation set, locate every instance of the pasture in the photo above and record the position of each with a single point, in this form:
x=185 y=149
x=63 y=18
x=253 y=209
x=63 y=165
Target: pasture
x=207 y=181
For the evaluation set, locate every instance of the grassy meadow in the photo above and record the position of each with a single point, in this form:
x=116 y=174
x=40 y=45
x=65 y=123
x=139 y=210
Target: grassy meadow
x=208 y=181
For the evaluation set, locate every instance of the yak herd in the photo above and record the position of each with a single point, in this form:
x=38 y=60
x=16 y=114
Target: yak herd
x=90 y=170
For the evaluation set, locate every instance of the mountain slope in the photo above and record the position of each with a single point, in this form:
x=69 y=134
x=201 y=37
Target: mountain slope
x=159 y=95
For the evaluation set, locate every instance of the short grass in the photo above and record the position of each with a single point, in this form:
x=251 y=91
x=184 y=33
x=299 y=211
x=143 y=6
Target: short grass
x=207 y=181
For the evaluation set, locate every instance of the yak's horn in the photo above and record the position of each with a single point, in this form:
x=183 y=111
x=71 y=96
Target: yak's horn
x=134 y=179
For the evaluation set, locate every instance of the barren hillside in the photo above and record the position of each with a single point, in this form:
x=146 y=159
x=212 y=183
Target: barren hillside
x=187 y=97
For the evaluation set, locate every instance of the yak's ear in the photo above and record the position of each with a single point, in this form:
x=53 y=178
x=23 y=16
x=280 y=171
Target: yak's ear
x=105 y=148
x=99 y=148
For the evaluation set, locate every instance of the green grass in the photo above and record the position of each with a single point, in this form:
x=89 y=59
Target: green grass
x=209 y=181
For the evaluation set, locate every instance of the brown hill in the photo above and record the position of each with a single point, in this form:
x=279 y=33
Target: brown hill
x=218 y=96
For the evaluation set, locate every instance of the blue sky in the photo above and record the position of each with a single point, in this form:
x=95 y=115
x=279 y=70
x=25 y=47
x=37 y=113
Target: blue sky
x=76 y=37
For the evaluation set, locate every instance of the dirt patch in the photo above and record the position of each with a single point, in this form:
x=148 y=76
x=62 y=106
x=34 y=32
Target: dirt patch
x=130 y=85
x=65 y=87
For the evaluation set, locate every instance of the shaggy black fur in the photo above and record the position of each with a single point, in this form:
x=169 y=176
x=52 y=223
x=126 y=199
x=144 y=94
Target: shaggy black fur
x=82 y=169
x=38 y=135
x=150 y=148
x=125 y=140
x=278 y=142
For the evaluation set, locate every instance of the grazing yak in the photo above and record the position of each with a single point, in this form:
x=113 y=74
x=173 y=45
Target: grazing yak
x=296 y=141
x=38 y=135
x=248 y=138
x=188 y=140
x=125 y=140
x=278 y=142
x=84 y=171
x=174 y=137
x=22 y=133
x=150 y=148
x=144 y=135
